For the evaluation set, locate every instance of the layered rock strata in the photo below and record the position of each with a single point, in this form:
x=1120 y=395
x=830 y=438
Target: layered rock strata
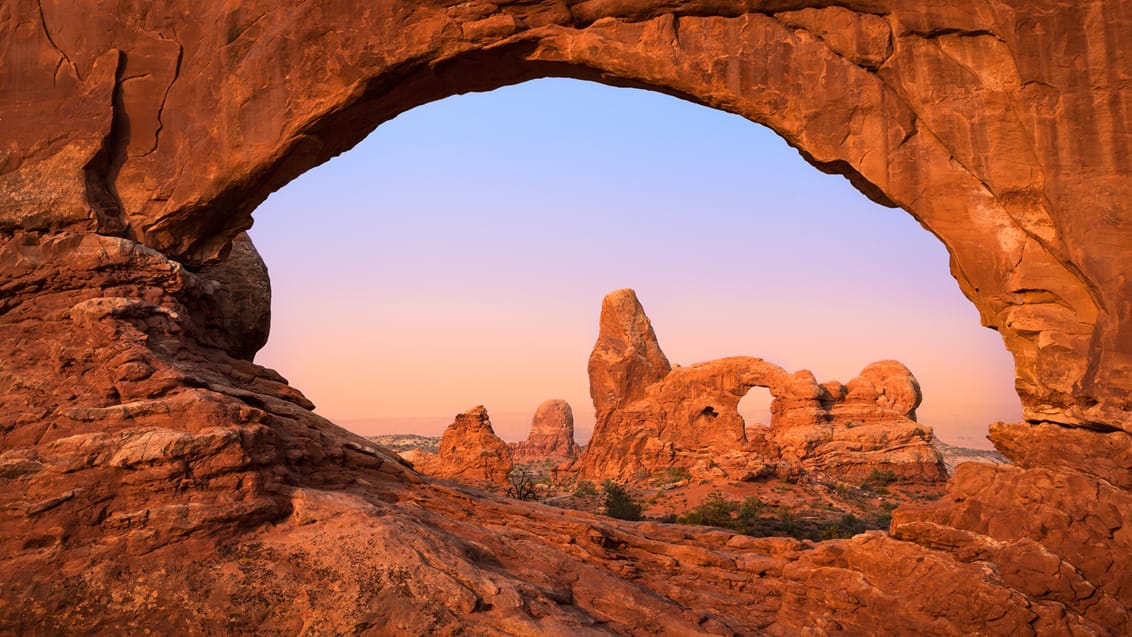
x=551 y=439
x=651 y=417
x=153 y=478
x=470 y=453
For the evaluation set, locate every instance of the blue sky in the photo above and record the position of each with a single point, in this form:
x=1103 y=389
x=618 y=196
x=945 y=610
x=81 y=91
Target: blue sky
x=458 y=256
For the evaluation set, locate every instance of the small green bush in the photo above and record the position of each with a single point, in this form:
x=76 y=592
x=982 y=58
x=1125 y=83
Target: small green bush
x=690 y=517
x=882 y=520
x=618 y=503
x=584 y=488
x=718 y=510
x=672 y=475
x=750 y=510
x=882 y=478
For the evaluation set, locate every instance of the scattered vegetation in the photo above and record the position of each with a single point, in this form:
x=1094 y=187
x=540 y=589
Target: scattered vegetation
x=754 y=517
x=408 y=442
x=671 y=475
x=584 y=488
x=618 y=503
x=878 y=481
x=881 y=478
x=524 y=484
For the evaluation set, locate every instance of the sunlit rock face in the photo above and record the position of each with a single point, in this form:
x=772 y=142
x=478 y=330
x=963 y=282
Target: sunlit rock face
x=470 y=453
x=651 y=417
x=154 y=477
x=551 y=439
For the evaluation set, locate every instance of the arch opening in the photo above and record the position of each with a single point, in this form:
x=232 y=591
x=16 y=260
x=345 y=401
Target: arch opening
x=696 y=188
x=130 y=129
x=754 y=407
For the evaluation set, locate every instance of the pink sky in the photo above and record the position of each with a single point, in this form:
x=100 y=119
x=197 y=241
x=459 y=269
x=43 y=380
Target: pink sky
x=458 y=256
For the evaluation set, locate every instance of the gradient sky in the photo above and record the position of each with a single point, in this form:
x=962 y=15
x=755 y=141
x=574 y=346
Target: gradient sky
x=458 y=256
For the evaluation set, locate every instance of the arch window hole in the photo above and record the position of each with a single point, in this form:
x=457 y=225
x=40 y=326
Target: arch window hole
x=755 y=407
x=458 y=256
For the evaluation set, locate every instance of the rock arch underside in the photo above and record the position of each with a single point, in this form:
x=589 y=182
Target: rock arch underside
x=154 y=478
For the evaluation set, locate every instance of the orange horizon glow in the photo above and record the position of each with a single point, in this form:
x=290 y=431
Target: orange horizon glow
x=459 y=256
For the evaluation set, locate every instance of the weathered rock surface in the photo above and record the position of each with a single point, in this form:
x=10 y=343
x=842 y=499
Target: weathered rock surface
x=153 y=478
x=237 y=302
x=649 y=419
x=551 y=438
x=955 y=456
x=470 y=453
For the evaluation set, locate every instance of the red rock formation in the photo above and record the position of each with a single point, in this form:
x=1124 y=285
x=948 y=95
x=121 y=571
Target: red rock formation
x=154 y=477
x=626 y=358
x=649 y=420
x=551 y=438
x=470 y=453
x=852 y=430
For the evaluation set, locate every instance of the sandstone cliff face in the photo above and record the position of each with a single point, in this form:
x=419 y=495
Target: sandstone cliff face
x=153 y=477
x=551 y=438
x=689 y=416
x=470 y=453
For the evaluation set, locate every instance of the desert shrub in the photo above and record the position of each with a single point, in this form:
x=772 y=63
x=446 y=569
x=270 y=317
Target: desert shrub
x=523 y=485
x=833 y=532
x=690 y=517
x=881 y=520
x=672 y=475
x=787 y=522
x=618 y=503
x=718 y=510
x=722 y=511
x=584 y=488
x=750 y=510
x=882 y=478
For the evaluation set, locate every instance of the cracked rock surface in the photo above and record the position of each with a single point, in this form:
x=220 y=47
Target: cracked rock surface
x=153 y=477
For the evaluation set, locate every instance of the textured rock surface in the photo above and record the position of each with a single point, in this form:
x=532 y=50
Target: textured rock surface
x=470 y=453
x=648 y=421
x=551 y=438
x=238 y=300
x=176 y=130
x=153 y=478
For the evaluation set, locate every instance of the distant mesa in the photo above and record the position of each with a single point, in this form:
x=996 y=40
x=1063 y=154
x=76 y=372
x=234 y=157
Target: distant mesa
x=551 y=439
x=650 y=417
x=470 y=453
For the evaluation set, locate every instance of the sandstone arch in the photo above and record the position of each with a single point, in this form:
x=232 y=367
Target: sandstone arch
x=651 y=417
x=972 y=153
x=136 y=142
